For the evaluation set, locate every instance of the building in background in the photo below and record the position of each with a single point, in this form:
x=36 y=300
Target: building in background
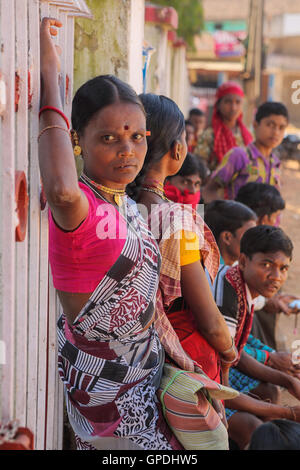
x=281 y=75
x=167 y=72
x=219 y=52
x=255 y=42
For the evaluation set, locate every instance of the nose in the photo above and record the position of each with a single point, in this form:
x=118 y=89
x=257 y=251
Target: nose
x=125 y=149
x=276 y=274
x=277 y=133
x=235 y=107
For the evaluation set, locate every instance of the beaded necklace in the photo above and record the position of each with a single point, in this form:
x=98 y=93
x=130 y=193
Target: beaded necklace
x=117 y=193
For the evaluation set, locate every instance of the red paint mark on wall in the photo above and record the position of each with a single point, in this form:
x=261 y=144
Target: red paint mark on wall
x=30 y=92
x=17 y=91
x=67 y=87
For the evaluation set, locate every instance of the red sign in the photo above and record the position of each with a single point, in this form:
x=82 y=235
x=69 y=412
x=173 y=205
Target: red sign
x=228 y=44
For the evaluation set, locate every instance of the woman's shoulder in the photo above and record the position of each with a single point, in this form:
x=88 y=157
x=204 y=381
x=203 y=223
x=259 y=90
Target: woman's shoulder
x=98 y=208
x=169 y=219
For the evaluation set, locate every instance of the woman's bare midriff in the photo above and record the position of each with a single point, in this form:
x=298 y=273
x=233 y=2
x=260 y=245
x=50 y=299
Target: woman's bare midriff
x=72 y=303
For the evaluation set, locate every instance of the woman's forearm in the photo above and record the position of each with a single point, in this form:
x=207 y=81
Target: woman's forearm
x=216 y=333
x=50 y=93
x=209 y=320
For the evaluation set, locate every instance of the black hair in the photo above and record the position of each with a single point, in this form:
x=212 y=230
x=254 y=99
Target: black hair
x=266 y=239
x=271 y=107
x=192 y=165
x=166 y=124
x=196 y=112
x=262 y=198
x=228 y=216
x=278 y=434
x=96 y=94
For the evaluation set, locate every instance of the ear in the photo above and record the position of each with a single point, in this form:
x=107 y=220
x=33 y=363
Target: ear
x=176 y=150
x=226 y=237
x=255 y=125
x=264 y=220
x=242 y=261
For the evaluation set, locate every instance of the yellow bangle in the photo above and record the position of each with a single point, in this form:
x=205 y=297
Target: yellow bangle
x=230 y=349
x=229 y=362
x=53 y=127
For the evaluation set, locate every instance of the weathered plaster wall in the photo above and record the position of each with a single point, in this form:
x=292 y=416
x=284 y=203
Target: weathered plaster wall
x=180 y=84
x=156 y=36
x=111 y=43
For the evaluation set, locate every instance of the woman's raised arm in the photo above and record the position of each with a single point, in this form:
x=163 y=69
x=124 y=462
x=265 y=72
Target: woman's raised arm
x=68 y=203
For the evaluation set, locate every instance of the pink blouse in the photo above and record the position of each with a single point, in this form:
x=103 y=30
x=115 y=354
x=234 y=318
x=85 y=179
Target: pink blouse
x=81 y=258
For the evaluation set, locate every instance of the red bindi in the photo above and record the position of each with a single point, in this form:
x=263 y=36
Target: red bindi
x=126 y=127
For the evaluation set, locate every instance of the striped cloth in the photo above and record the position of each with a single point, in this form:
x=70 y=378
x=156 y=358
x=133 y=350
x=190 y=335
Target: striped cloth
x=257 y=349
x=189 y=413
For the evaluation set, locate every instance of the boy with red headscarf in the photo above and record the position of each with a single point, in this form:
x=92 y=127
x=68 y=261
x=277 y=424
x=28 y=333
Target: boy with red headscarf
x=227 y=128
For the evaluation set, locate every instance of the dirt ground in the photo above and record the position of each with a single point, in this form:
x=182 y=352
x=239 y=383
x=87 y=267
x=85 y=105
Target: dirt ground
x=290 y=222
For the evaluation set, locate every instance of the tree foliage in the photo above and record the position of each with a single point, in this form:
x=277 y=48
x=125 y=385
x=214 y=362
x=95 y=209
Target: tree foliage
x=190 y=17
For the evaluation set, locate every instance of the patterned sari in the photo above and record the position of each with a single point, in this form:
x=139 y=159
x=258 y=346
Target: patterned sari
x=110 y=360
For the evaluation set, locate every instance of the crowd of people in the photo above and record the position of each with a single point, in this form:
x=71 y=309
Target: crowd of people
x=145 y=280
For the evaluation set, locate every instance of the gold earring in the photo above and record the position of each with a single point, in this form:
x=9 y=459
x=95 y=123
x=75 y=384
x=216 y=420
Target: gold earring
x=77 y=148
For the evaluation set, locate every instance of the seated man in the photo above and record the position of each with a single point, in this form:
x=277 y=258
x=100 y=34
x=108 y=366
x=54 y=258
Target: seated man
x=266 y=201
x=228 y=221
x=263 y=265
x=256 y=163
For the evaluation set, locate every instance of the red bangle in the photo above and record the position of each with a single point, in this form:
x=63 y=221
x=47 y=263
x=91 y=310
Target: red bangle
x=268 y=356
x=52 y=108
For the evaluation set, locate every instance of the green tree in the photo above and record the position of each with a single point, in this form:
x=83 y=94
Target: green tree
x=190 y=17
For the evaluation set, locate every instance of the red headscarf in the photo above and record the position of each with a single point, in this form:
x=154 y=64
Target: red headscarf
x=224 y=139
x=185 y=197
